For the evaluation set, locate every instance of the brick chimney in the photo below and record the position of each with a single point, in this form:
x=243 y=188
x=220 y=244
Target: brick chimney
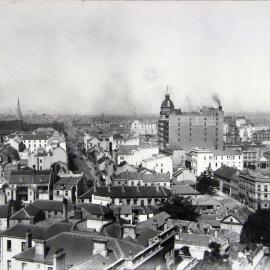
x=59 y=259
x=100 y=246
x=78 y=213
x=28 y=238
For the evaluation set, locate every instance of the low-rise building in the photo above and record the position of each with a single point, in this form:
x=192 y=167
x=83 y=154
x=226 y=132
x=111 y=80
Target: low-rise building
x=126 y=195
x=143 y=127
x=199 y=160
x=42 y=160
x=30 y=185
x=141 y=178
x=69 y=186
x=134 y=155
x=159 y=163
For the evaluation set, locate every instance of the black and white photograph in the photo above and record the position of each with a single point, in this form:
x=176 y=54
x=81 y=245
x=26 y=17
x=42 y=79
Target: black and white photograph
x=134 y=135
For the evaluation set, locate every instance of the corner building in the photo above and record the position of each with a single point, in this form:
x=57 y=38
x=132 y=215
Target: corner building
x=186 y=130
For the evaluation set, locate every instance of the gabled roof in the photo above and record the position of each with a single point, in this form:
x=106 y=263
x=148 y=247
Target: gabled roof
x=128 y=192
x=26 y=213
x=225 y=219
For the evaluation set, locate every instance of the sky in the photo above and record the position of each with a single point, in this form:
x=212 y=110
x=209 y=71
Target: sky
x=118 y=57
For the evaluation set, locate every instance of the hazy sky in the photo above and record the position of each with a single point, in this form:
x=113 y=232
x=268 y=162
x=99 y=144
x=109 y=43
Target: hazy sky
x=118 y=57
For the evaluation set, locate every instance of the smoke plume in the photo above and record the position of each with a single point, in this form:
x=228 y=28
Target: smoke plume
x=216 y=99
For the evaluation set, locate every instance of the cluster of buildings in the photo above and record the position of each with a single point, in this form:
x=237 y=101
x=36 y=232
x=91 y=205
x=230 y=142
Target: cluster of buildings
x=109 y=213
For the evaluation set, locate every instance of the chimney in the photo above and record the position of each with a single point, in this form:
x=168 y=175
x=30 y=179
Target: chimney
x=138 y=188
x=40 y=248
x=123 y=188
x=32 y=220
x=157 y=188
x=155 y=223
x=28 y=237
x=128 y=230
x=78 y=213
x=59 y=259
x=100 y=246
x=95 y=188
x=109 y=188
x=65 y=214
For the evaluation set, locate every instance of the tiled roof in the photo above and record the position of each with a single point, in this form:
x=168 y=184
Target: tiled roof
x=195 y=239
x=95 y=209
x=67 y=182
x=225 y=172
x=145 y=177
x=50 y=205
x=78 y=247
x=22 y=177
x=25 y=213
x=184 y=190
x=19 y=230
x=128 y=192
x=127 y=149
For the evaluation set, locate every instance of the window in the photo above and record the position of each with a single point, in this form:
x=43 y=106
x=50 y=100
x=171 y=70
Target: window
x=66 y=193
x=57 y=192
x=265 y=188
x=135 y=201
x=8 y=245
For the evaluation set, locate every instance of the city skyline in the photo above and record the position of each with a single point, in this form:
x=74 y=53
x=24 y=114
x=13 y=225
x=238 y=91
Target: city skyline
x=91 y=57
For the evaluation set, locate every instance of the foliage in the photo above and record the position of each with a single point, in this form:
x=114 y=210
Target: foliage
x=22 y=147
x=16 y=205
x=256 y=229
x=206 y=184
x=180 y=208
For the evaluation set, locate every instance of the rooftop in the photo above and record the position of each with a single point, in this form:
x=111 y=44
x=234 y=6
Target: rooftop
x=128 y=192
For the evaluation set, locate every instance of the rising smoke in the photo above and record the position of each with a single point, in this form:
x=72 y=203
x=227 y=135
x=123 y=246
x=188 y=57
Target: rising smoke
x=216 y=98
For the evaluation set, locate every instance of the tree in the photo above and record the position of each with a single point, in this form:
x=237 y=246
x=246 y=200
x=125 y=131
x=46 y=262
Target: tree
x=22 y=147
x=180 y=208
x=256 y=229
x=205 y=184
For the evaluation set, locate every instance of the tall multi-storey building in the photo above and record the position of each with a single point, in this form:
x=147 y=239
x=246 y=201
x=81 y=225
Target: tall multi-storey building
x=186 y=130
x=166 y=109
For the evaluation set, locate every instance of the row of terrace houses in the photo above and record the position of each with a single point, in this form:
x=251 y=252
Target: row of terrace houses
x=28 y=185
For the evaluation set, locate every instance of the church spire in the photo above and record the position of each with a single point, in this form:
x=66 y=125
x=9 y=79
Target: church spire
x=19 y=112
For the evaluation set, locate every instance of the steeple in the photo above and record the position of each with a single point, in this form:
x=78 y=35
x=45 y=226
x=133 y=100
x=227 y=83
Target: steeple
x=19 y=112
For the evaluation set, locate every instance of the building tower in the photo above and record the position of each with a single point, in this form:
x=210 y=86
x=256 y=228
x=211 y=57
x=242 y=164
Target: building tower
x=166 y=109
x=18 y=111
